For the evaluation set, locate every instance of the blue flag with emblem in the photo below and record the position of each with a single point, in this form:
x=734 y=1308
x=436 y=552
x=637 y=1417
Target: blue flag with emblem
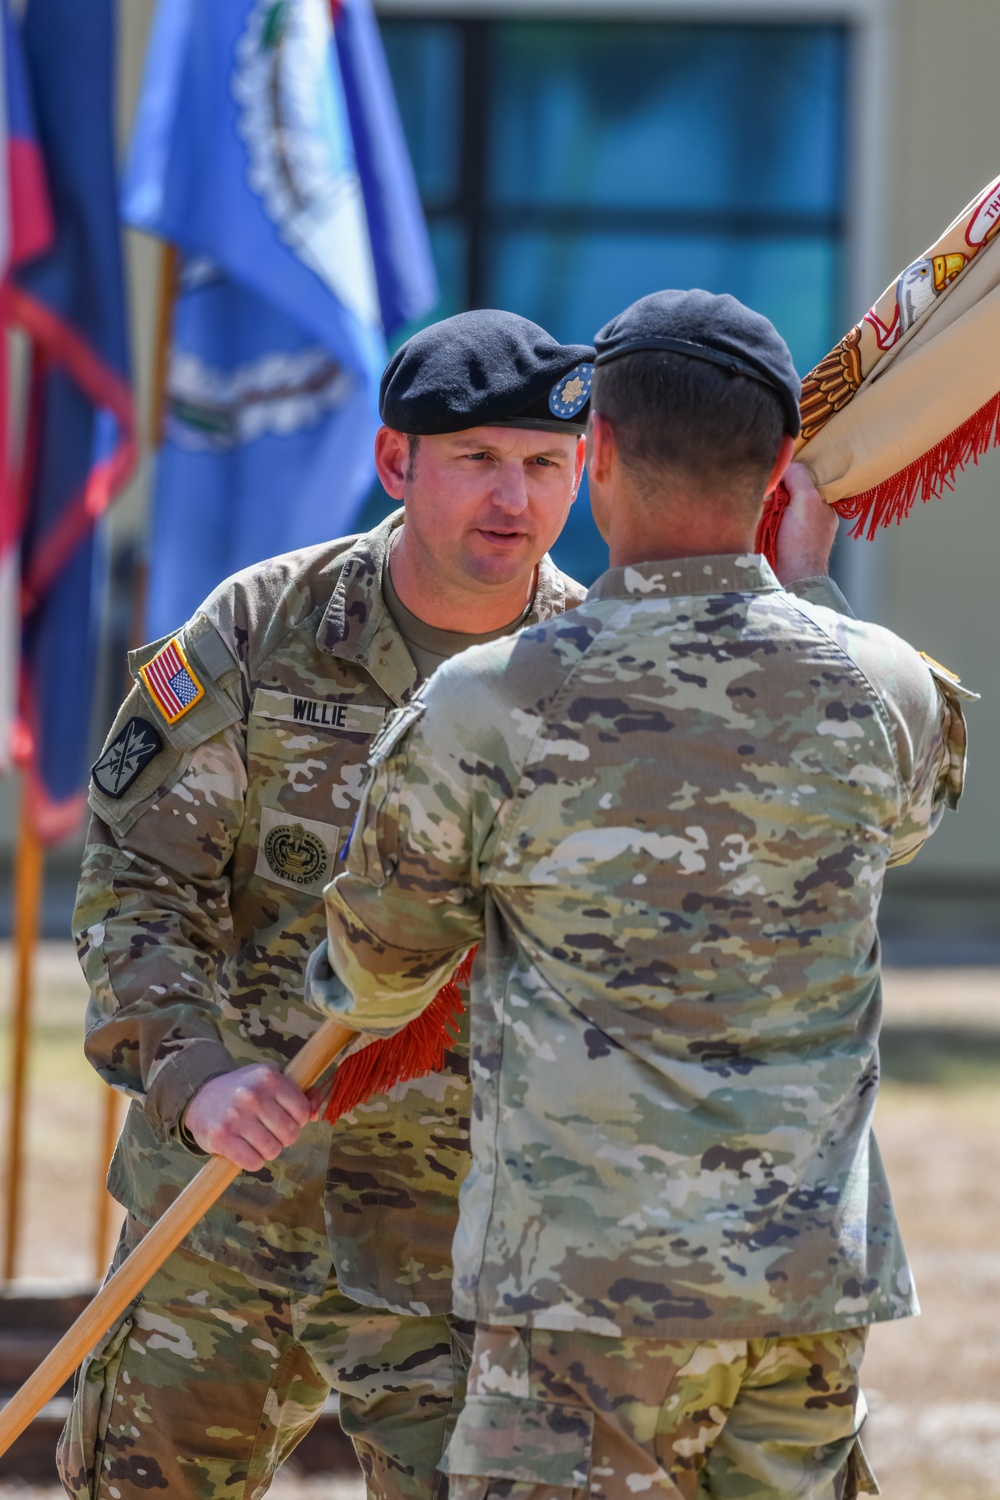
x=243 y=156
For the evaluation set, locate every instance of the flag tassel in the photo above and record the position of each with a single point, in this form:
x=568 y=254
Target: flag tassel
x=419 y=1048
x=892 y=500
x=927 y=477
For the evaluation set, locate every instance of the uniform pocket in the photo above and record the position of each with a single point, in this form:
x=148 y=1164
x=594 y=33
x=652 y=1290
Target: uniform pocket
x=304 y=779
x=80 y=1450
x=534 y=1442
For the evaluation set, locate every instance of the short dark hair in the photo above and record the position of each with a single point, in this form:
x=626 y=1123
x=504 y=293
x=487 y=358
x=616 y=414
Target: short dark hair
x=412 y=444
x=689 y=418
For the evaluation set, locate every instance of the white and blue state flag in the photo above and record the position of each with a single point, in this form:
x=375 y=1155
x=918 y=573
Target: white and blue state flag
x=242 y=156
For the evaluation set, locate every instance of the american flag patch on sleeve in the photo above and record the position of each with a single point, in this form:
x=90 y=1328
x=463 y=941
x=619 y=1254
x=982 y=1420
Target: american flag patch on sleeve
x=172 y=684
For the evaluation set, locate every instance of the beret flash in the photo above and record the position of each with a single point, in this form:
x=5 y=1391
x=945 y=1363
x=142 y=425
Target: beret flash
x=714 y=328
x=486 y=369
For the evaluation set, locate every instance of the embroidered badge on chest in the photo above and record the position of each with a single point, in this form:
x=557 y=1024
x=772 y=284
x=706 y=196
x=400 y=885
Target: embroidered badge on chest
x=172 y=684
x=132 y=748
x=298 y=852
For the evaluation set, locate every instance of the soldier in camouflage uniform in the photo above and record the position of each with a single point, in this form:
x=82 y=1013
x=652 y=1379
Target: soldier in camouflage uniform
x=221 y=801
x=666 y=820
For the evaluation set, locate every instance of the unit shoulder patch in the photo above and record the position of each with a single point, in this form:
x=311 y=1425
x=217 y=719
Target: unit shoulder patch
x=131 y=750
x=171 y=681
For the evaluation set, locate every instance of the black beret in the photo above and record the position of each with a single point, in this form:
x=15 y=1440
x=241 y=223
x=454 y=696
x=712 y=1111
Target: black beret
x=704 y=326
x=486 y=369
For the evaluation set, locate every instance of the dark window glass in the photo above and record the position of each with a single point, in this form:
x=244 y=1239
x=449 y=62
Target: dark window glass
x=741 y=119
x=568 y=167
x=573 y=282
x=425 y=59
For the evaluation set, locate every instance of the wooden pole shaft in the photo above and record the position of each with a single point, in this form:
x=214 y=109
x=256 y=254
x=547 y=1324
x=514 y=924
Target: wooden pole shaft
x=305 y=1069
x=164 y=330
x=102 y=1216
x=28 y=889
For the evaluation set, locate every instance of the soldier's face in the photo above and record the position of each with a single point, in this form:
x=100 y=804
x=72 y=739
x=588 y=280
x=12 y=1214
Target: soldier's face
x=488 y=503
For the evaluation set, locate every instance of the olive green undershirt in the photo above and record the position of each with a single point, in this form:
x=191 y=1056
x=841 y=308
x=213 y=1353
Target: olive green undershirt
x=428 y=645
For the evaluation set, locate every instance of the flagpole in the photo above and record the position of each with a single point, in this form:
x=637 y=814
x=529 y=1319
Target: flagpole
x=102 y=1223
x=110 y=1111
x=164 y=328
x=27 y=897
x=305 y=1069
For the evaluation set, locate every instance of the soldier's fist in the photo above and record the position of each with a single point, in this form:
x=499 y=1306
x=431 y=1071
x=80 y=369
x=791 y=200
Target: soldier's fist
x=249 y=1115
x=807 y=530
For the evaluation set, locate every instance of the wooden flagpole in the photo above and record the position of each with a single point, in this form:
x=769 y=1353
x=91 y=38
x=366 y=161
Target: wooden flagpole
x=305 y=1069
x=27 y=900
x=164 y=330
x=110 y=1114
x=110 y=1106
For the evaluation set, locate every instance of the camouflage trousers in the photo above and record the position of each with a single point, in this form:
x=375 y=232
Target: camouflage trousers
x=207 y=1382
x=550 y=1416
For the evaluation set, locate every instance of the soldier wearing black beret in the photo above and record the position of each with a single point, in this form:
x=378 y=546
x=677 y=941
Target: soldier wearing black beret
x=665 y=825
x=485 y=369
x=711 y=329
x=222 y=802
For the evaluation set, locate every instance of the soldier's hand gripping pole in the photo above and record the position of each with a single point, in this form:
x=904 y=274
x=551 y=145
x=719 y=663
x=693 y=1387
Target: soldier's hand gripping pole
x=305 y=1069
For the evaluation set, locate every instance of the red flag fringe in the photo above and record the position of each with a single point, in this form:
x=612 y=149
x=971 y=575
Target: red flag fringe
x=925 y=479
x=767 y=529
x=413 y=1052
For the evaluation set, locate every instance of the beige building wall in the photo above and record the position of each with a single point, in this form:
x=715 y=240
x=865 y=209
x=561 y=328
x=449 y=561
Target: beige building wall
x=926 y=138
x=934 y=578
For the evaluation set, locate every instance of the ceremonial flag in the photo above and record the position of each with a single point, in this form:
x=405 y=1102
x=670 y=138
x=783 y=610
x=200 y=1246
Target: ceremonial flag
x=25 y=230
x=911 y=394
x=79 y=446
x=243 y=156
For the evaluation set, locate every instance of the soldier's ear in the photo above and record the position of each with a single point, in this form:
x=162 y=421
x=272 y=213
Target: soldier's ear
x=601 y=448
x=392 y=460
x=580 y=459
x=785 y=455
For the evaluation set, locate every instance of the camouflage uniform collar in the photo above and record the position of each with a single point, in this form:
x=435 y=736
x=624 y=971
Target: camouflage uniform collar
x=550 y=593
x=727 y=573
x=357 y=626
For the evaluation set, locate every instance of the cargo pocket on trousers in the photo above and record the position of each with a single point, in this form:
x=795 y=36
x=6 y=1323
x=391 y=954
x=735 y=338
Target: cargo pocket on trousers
x=80 y=1450
x=858 y=1476
x=533 y=1442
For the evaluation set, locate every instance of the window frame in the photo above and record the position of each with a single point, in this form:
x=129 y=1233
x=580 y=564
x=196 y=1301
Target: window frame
x=870 y=105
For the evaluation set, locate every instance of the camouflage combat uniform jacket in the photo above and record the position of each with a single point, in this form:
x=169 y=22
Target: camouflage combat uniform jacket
x=667 y=818
x=200 y=901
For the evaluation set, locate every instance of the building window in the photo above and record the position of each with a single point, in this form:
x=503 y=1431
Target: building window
x=568 y=167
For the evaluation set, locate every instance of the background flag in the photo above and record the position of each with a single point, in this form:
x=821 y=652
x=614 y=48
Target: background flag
x=404 y=267
x=25 y=230
x=243 y=156
x=79 y=446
